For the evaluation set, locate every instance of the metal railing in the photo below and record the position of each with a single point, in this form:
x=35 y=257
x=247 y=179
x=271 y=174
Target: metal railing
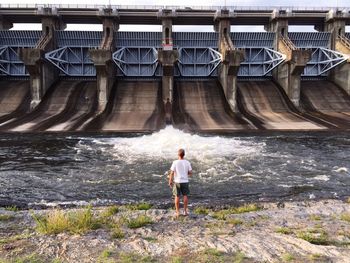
x=157 y=7
x=288 y=43
x=344 y=40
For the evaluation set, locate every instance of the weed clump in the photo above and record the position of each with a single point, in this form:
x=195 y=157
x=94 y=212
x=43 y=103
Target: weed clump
x=284 y=230
x=139 y=221
x=6 y=217
x=58 y=221
x=345 y=217
x=139 y=206
x=200 y=210
x=316 y=237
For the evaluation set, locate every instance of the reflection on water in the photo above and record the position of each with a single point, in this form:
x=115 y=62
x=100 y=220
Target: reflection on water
x=60 y=168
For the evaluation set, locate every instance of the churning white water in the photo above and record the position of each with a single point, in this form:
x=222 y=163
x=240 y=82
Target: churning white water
x=165 y=143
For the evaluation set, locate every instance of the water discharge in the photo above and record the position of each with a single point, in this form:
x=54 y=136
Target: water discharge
x=104 y=168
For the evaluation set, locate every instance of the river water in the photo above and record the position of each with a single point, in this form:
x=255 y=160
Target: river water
x=46 y=169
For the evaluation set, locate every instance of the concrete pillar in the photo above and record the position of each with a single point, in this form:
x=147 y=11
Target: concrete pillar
x=167 y=58
x=335 y=23
x=42 y=73
x=5 y=24
x=288 y=73
x=231 y=59
x=102 y=57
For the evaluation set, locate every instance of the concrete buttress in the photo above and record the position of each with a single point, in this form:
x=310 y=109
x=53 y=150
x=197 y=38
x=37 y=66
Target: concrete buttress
x=103 y=58
x=42 y=73
x=231 y=58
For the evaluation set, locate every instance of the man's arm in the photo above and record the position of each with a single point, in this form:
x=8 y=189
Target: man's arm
x=171 y=177
x=189 y=169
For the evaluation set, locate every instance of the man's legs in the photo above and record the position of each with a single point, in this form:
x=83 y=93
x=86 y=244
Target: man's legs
x=177 y=205
x=185 y=204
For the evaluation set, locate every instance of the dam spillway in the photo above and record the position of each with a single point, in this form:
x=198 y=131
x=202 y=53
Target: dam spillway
x=113 y=81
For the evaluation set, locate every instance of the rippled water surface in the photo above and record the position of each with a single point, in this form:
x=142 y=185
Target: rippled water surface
x=73 y=168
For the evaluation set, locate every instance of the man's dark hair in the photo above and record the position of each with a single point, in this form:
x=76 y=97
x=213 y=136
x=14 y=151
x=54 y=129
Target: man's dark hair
x=181 y=153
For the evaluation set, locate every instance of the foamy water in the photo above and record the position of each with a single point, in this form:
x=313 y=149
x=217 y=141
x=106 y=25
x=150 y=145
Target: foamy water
x=165 y=143
x=212 y=155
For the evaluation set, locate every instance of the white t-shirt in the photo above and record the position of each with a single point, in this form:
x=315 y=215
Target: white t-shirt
x=181 y=169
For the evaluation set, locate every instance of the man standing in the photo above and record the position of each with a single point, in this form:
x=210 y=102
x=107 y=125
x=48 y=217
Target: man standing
x=178 y=180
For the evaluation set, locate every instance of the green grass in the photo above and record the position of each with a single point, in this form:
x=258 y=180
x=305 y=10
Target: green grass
x=139 y=206
x=58 y=221
x=239 y=257
x=151 y=239
x=284 y=230
x=319 y=258
x=13 y=238
x=139 y=221
x=246 y=208
x=287 y=257
x=177 y=259
x=12 y=208
x=213 y=255
x=105 y=256
x=110 y=211
x=200 y=210
x=32 y=258
x=235 y=221
x=315 y=217
x=209 y=255
x=134 y=257
x=345 y=217
x=6 y=217
x=117 y=232
x=315 y=236
x=222 y=214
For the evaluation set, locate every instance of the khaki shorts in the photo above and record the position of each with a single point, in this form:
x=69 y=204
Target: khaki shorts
x=181 y=189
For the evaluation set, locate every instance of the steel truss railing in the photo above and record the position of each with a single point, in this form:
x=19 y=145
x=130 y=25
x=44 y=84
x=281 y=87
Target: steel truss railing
x=10 y=64
x=137 y=61
x=72 y=61
x=197 y=61
x=260 y=61
x=323 y=60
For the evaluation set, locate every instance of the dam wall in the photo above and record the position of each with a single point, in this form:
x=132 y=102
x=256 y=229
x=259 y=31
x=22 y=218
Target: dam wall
x=220 y=81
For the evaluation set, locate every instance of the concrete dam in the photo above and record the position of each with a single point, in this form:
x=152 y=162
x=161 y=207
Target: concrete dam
x=113 y=81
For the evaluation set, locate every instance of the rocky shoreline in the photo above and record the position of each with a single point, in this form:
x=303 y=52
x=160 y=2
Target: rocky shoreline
x=308 y=231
